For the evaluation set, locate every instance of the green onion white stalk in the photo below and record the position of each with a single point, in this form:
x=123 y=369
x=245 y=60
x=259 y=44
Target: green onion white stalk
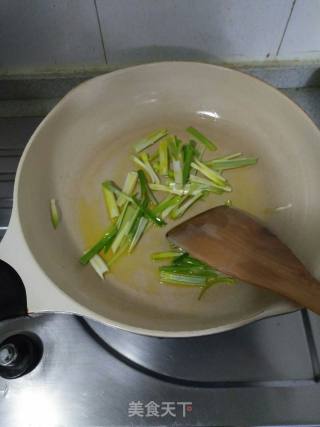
x=128 y=187
x=110 y=202
x=54 y=213
x=99 y=265
x=144 y=164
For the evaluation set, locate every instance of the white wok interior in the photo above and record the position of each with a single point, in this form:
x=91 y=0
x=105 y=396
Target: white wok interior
x=88 y=137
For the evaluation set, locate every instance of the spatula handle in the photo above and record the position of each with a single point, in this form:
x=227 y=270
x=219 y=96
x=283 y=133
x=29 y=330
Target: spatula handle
x=305 y=291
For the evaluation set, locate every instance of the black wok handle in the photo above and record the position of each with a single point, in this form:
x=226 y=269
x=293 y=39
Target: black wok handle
x=13 y=298
x=19 y=353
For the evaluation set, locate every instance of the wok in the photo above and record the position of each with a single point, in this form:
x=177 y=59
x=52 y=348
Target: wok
x=87 y=138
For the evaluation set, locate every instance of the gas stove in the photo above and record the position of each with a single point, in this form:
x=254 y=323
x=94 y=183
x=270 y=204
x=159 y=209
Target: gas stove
x=83 y=373
x=93 y=375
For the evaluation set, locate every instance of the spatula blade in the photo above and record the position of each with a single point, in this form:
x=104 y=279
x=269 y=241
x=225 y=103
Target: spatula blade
x=234 y=243
x=237 y=245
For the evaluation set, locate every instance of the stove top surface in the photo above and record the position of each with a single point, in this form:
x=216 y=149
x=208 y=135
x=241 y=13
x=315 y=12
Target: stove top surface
x=93 y=375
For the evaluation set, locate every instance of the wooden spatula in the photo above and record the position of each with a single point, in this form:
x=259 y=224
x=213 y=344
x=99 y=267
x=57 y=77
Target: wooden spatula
x=234 y=243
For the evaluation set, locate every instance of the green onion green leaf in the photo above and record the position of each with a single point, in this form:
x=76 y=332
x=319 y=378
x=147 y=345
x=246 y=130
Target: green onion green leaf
x=188 y=155
x=104 y=242
x=159 y=256
x=127 y=223
x=146 y=166
x=201 y=138
x=149 y=140
x=231 y=163
x=163 y=157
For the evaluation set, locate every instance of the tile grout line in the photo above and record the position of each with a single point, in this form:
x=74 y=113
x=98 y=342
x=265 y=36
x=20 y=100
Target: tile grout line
x=286 y=27
x=100 y=31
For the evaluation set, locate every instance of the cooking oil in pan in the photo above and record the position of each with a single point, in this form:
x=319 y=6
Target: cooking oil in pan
x=137 y=269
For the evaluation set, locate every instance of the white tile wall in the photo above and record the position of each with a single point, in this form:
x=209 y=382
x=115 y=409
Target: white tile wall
x=142 y=30
x=60 y=33
x=46 y=33
x=302 y=38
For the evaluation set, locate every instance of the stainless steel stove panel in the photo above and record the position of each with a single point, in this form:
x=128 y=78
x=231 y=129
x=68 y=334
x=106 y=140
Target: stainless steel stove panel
x=79 y=382
x=255 y=353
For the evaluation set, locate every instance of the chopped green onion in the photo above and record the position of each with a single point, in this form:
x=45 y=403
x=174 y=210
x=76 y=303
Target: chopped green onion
x=104 y=242
x=121 y=216
x=149 y=140
x=188 y=154
x=182 y=279
x=174 y=146
x=124 y=246
x=172 y=188
x=177 y=171
x=185 y=270
x=154 y=218
x=201 y=138
x=232 y=163
x=154 y=157
x=136 y=222
x=191 y=270
x=228 y=203
x=186 y=259
x=99 y=265
x=200 y=180
x=110 y=201
x=165 y=188
x=146 y=166
x=109 y=239
x=54 y=213
x=143 y=222
x=156 y=166
x=213 y=175
x=180 y=210
x=163 y=157
x=158 y=256
x=125 y=228
x=217 y=281
x=204 y=290
x=143 y=184
x=208 y=184
x=142 y=206
x=114 y=189
x=135 y=211
x=175 y=150
x=128 y=187
x=166 y=203
x=228 y=157
x=168 y=210
x=148 y=213
x=146 y=192
x=170 y=174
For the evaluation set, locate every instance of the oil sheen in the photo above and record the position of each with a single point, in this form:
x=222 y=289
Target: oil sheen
x=137 y=271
